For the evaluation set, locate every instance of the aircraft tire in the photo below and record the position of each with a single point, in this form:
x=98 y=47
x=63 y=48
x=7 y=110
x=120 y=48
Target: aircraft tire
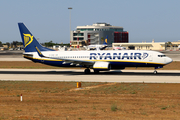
x=96 y=71
x=155 y=72
x=87 y=71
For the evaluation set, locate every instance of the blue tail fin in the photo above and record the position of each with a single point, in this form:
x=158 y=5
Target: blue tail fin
x=29 y=41
x=105 y=41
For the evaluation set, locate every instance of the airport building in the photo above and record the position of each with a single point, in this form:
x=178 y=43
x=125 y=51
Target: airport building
x=97 y=33
x=149 y=46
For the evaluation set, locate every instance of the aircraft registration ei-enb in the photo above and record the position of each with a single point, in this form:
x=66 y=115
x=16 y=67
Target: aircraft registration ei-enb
x=98 y=60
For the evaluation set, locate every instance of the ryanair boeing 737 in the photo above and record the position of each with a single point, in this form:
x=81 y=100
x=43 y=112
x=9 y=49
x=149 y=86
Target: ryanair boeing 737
x=97 y=60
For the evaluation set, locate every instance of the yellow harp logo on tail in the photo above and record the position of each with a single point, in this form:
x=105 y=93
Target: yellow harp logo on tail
x=27 y=39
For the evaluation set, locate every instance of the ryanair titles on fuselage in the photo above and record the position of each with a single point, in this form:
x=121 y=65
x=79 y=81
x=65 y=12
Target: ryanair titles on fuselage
x=118 y=56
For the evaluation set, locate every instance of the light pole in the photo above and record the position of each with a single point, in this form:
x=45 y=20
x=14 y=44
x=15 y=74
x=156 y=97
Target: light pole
x=70 y=8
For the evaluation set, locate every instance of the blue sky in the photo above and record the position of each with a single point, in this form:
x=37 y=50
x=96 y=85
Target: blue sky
x=49 y=19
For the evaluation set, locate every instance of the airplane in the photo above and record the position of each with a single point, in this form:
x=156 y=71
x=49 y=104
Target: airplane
x=119 y=48
x=97 y=46
x=99 y=60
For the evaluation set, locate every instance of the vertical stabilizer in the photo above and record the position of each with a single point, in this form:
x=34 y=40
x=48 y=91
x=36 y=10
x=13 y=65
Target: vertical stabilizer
x=29 y=41
x=105 y=41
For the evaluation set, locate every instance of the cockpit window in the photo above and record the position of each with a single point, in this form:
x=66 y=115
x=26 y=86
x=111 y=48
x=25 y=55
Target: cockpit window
x=161 y=55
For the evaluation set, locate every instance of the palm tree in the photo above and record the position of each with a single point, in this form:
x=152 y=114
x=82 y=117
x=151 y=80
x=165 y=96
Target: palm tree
x=168 y=44
x=14 y=43
x=8 y=44
x=102 y=39
x=1 y=44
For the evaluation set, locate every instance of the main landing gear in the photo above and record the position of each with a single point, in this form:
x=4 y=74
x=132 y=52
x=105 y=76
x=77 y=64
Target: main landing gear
x=96 y=71
x=87 y=71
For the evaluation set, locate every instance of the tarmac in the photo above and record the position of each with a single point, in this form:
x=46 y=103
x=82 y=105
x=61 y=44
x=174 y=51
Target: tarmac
x=135 y=76
x=123 y=76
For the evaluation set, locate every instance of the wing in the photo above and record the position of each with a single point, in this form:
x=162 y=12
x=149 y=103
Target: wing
x=72 y=61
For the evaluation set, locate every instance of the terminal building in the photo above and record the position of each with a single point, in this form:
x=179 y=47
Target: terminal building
x=149 y=45
x=97 y=33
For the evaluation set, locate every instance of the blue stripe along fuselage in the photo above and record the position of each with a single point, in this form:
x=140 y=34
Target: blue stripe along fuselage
x=114 y=64
x=133 y=64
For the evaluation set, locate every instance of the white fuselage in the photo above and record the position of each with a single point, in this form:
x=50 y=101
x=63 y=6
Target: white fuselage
x=114 y=57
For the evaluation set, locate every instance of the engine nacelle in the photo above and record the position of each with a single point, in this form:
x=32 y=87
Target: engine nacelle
x=101 y=66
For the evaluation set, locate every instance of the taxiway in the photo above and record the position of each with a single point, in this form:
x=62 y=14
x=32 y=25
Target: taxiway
x=146 y=76
x=136 y=76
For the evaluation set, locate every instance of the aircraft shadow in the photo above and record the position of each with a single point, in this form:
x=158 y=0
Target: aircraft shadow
x=120 y=73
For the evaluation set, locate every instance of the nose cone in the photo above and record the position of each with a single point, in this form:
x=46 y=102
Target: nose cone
x=168 y=60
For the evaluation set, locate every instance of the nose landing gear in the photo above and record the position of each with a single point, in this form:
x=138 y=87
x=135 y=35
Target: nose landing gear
x=155 y=72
